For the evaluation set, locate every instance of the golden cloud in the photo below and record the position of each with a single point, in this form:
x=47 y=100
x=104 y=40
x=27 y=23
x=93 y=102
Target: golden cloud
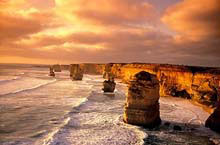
x=108 y=31
x=195 y=20
x=106 y=12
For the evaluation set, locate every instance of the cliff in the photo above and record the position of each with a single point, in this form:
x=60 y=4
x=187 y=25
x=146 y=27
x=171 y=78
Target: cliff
x=201 y=84
x=94 y=69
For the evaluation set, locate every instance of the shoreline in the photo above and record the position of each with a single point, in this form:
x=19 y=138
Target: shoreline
x=100 y=121
x=176 y=111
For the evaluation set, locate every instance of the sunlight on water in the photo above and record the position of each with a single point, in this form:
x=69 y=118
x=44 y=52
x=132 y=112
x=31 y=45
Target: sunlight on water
x=38 y=109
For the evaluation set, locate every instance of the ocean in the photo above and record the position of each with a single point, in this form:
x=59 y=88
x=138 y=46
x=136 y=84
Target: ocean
x=32 y=104
x=42 y=110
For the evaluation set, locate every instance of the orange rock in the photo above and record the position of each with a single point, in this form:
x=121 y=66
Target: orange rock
x=201 y=84
x=76 y=72
x=142 y=106
x=52 y=74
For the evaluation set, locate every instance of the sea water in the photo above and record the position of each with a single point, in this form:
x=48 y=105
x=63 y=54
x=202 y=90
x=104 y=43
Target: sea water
x=32 y=104
x=41 y=110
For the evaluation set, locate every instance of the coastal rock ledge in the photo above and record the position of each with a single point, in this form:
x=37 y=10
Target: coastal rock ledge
x=142 y=102
x=213 y=122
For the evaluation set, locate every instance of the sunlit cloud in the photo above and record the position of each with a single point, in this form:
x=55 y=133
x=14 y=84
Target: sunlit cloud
x=195 y=19
x=67 y=31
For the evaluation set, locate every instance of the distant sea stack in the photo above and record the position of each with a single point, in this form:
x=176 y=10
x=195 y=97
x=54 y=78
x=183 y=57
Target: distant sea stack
x=52 y=74
x=76 y=72
x=142 y=102
x=57 y=68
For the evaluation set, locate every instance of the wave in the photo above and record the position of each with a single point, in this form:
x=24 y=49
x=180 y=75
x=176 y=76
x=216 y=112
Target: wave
x=29 y=89
x=59 y=134
x=21 y=73
x=11 y=79
x=50 y=136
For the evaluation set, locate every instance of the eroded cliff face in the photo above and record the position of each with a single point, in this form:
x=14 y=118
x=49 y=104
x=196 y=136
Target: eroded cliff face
x=94 y=69
x=200 y=84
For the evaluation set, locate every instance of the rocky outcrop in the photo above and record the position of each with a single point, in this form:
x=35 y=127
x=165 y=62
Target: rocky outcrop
x=93 y=69
x=142 y=106
x=52 y=74
x=213 y=122
x=109 y=86
x=57 y=68
x=76 y=72
x=201 y=84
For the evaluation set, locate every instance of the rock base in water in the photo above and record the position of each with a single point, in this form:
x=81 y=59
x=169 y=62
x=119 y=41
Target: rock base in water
x=149 y=118
x=52 y=74
x=77 y=77
x=76 y=72
x=109 y=86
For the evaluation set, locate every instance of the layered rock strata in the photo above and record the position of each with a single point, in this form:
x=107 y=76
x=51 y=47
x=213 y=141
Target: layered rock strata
x=76 y=72
x=57 y=68
x=93 y=69
x=142 y=106
x=201 y=84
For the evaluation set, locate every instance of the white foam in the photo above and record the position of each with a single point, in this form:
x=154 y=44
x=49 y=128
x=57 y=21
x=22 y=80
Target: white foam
x=28 y=88
x=99 y=121
x=7 y=79
x=49 y=137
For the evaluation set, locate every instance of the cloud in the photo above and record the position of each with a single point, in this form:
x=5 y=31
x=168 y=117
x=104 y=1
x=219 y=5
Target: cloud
x=107 y=12
x=109 y=31
x=196 y=24
x=18 y=21
x=195 y=19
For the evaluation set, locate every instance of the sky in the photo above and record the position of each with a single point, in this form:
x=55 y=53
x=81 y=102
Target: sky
x=102 y=31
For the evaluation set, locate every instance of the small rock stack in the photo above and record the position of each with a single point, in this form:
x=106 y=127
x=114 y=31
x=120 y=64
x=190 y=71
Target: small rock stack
x=142 y=102
x=109 y=85
x=52 y=74
x=76 y=72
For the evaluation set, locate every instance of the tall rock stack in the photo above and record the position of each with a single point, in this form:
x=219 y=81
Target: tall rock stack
x=76 y=72
x=57 y=68
x=142 y=102
x=108 y=71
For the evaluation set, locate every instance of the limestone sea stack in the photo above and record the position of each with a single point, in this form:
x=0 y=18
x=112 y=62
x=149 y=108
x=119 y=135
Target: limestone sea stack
x=76 y=72
x=52 y=74
x=142 y=102
x=109 y=85
x=57 y=68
